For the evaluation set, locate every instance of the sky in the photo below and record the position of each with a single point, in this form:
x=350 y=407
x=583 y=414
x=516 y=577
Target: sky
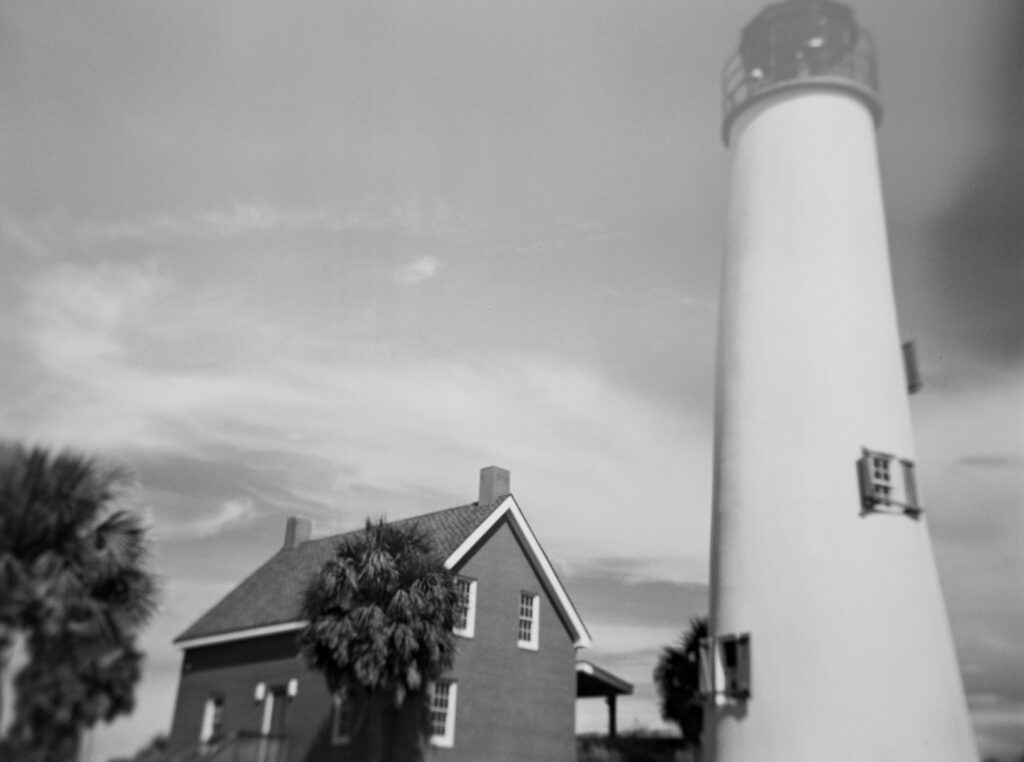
x=331 y=259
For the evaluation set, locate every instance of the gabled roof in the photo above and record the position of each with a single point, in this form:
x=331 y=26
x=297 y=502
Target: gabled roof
x=269 y=600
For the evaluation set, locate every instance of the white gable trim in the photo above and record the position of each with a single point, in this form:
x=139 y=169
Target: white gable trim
x=581 y=638
x=252 y=632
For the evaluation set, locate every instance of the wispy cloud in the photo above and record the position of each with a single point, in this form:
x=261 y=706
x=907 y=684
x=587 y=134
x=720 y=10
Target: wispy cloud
x=241 y=219
x=435 y=218
x=99 y=334
x=22 y=237
x=381 y=429
x=78 y=313
x=415 y=217
x=993 y=461
x=566 y=234
x=228 y=514
x=417 y=271
x=997 y=723
x=636 y=601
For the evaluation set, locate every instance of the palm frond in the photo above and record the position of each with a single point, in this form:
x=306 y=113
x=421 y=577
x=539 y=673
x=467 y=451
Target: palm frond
x=73 y=580
x=380 y=612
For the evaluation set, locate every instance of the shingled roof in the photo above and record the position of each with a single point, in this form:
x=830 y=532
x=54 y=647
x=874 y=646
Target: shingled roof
x=272 y=595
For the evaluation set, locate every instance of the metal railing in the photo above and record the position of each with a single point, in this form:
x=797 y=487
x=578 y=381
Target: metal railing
x=238 y=746
x=855 y=69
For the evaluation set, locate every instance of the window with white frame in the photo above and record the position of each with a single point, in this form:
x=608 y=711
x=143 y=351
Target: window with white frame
x=887 y=484
x=881 y=477
x=213 y=718
x=529 y=620
x=343 y=718
x=465 y=608
x=443 y=695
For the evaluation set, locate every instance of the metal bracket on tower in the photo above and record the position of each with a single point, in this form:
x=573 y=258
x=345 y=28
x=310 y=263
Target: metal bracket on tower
x=914 y=383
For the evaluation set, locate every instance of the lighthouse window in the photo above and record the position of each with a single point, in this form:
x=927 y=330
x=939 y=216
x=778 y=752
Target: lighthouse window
x=880 y=476
x=887 y=484
x=735 y=652
x=724 y=668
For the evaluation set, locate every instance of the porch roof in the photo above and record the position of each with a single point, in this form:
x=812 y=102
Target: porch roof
x=592 y=680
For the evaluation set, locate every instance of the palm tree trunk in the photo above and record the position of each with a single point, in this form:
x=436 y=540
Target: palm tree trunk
x=8 y=647
x=375 y=736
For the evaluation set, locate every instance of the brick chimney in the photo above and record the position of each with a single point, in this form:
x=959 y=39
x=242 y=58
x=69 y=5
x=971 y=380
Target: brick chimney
x=494 y=484
x=297 y=531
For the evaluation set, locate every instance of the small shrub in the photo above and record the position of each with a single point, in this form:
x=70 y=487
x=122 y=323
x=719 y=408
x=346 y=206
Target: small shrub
x=634 y=746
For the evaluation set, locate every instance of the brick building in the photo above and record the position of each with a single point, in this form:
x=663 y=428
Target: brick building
x=245 y=689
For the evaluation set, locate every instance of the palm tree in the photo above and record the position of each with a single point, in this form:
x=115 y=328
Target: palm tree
x=74 y=589
x=380 y=616
x=678 y=679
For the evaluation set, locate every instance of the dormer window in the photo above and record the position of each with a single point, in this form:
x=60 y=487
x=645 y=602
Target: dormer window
x=465 y=608
x=529 y=621
x=887 y=484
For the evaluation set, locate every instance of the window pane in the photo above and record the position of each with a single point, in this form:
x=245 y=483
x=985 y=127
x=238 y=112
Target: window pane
x=525 y=617
x=439 y=708
x=462 y=587
x=729 y=655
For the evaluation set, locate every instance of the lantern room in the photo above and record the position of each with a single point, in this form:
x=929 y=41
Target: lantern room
x=800 y=43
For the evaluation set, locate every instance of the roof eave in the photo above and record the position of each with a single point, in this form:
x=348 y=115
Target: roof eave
x=234 y=635
x=507 y=505
x=613 y=683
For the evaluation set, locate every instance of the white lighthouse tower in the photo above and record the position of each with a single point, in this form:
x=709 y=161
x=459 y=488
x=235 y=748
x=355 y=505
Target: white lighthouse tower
x=828 y=635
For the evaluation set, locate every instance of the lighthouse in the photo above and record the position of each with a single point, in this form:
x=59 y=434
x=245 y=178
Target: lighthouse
x=828 y=635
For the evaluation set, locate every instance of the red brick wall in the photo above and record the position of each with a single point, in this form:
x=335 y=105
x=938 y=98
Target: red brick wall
x=232 y=670
x=513 y=704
